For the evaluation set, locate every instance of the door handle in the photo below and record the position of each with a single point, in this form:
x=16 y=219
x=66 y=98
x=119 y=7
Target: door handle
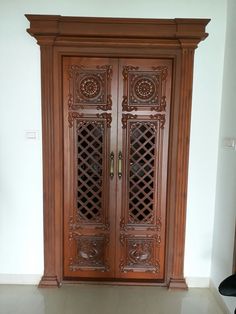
x=120 y=165
x=111 y=165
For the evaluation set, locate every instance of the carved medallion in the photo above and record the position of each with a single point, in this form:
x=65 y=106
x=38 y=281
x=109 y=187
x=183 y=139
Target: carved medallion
x=144 y=89
x=90 y=87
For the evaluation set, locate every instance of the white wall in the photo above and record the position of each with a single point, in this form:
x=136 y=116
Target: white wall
x=21 y=238
x=224 y=225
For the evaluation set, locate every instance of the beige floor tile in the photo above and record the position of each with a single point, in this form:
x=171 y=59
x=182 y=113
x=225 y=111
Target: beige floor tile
x=105 y=299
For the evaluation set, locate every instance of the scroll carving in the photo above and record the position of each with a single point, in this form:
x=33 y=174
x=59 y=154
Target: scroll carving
x=73 y=116
x=107 y=117
x=161 y=118
x=156 y=227
x=124 y=226
x=126 y=117
x=126 y=107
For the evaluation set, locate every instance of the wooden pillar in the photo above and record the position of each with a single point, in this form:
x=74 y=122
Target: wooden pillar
x=49 y=278
x=177 y=280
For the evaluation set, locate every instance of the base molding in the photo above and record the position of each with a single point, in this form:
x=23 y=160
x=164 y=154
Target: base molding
x=178 y=284
x=49 y=282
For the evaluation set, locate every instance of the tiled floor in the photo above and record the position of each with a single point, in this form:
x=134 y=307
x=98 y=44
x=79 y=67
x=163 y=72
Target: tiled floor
x=98 y=299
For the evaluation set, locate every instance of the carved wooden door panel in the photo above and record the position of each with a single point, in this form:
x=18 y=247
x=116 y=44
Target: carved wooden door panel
x=90 y=97
x=143 y=118
x=116 y=124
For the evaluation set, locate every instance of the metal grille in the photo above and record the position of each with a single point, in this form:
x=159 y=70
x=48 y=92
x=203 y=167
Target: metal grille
x=141 y=183
x=89 y=182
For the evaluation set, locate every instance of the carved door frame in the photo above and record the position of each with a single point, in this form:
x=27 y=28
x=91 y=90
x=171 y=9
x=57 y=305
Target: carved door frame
x=60 y=36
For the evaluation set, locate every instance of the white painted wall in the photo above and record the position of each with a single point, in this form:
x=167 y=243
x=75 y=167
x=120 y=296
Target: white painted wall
x=21 y=238
x=225 y=212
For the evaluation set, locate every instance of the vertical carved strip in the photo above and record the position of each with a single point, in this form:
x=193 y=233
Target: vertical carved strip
x=177 y=279
x=49 y=278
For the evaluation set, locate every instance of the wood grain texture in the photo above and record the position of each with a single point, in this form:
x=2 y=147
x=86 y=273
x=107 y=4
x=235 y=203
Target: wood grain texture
x=49 y=278
x=184 y=119
x=60 y=26
x=174 y=40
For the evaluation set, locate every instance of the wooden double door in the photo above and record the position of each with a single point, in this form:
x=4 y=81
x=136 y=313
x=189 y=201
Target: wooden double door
x=116 y=125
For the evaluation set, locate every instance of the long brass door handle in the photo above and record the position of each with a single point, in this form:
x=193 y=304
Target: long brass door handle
x=120 y=165
x=111 y=165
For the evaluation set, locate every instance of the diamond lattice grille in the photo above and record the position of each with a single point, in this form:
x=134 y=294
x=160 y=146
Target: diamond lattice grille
x=89 y=182
x=141 y=183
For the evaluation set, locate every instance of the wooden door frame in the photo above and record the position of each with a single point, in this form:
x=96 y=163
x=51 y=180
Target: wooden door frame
x=60 y=36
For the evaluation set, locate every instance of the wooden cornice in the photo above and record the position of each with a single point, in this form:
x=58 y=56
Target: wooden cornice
x=56 y=29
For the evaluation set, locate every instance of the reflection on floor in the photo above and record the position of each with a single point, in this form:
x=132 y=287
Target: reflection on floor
x=102 y=299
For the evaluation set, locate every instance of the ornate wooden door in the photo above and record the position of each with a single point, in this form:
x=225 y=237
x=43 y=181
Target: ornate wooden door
x=90 y=96
x=116 y=122
x=143 y=123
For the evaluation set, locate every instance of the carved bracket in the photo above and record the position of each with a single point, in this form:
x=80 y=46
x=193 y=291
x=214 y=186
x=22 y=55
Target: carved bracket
x=107 y=117
x=126 y=117
x=161 y=118
x=72 y=116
